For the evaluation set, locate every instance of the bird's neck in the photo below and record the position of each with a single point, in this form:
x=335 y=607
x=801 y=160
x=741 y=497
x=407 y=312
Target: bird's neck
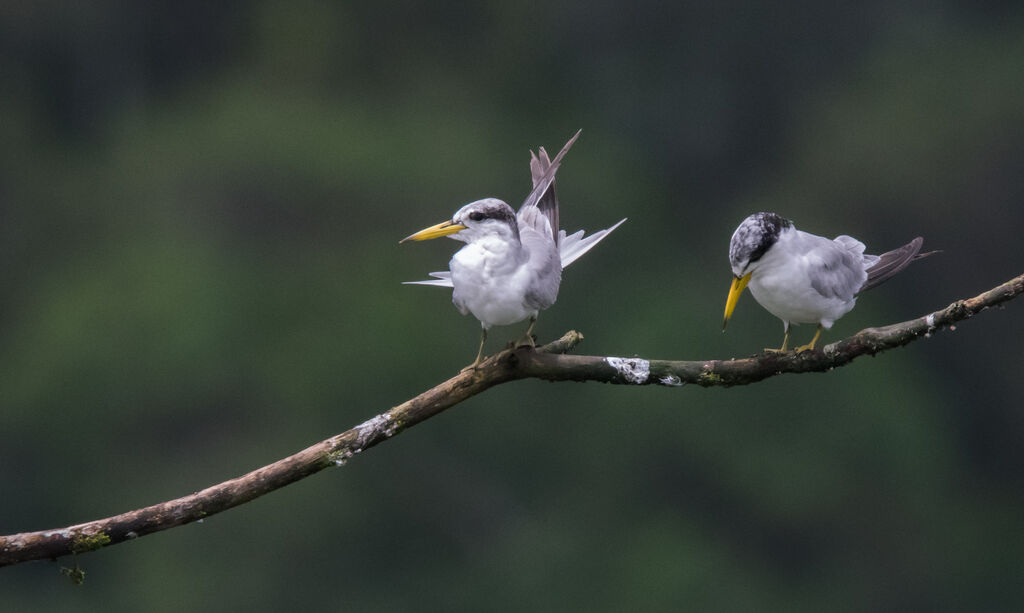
x=494 y=253
x=502 y=247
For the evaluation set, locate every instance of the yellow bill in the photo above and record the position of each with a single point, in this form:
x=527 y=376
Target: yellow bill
x=442 y=229
x=738 y=283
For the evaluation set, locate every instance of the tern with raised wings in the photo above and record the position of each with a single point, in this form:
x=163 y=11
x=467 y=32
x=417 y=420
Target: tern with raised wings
x=511 y=266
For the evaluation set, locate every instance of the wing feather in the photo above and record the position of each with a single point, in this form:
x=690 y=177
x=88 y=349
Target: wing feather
x=441 y=279
x=573 y=246
x=892 y=262
x=837 y=267
x=548 y=203
x=542 y=181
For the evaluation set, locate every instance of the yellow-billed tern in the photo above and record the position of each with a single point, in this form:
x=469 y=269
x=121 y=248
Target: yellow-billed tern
x=511 y=266
x=804 y=278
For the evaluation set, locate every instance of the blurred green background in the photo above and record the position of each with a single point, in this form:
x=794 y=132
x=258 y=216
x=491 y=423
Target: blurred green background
x=200 y=208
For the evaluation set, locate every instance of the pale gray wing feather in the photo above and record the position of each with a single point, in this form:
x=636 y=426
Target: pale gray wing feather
x=534 y=219
x=548 y=203
x=441 y=279
x=546 y=267
x=543 y=203
x=837 y=267
x=573 y=246
x=530 y=213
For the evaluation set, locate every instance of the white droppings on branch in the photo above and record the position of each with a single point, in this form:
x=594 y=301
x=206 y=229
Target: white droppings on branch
x=633 y=370
x=80 y=538
x=64 y=534
x=365 y=432
x=930 y=321
x=672 y=381
x=340 y=459
x=380 y=424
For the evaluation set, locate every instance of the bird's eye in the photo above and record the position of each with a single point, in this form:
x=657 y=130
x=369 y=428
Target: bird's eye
x=476 y=216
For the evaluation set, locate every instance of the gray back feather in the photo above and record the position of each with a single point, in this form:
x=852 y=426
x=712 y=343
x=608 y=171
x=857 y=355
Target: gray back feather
x=544 y=259
x=839 y=272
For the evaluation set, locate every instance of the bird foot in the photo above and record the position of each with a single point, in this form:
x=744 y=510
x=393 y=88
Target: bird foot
x=472 y=367
x=814 y=341
x=779 y=350
x=476 y=363
x=526 y=341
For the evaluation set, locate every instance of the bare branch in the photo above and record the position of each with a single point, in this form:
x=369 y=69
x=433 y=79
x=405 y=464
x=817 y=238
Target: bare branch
x=744 y=371
x=546 y=362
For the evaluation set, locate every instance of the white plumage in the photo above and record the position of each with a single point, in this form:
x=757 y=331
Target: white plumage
x=804 y=278
x=511 y=266
x=570 y=248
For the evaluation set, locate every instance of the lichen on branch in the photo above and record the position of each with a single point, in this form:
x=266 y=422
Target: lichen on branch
x=550 y=362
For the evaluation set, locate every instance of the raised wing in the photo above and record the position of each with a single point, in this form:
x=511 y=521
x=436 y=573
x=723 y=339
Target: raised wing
x=548 y=203
x=570 y=247
x=540 y=211
x=542 y=181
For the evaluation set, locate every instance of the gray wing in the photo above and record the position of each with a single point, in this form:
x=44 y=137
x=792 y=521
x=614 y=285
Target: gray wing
x=570 y=247
x=892 y=262
x=546 y=267
x=573 y=246
x=837 y=268
x=548 y=203
x=531 y=213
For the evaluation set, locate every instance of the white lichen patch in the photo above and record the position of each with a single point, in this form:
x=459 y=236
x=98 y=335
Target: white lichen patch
x=341 y=458
x=64 y=534
x=930 y=320
x=633 y=370
x=380 y=423
x=671 y=381
x=374 y=423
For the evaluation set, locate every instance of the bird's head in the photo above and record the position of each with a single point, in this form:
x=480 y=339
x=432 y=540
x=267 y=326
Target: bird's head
x=751 y=240
x=489 y=217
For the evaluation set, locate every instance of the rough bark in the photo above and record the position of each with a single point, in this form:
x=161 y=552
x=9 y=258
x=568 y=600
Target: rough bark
x=546 y=362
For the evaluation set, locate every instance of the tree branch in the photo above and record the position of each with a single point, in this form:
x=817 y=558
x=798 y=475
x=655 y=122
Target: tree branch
x=546 y=362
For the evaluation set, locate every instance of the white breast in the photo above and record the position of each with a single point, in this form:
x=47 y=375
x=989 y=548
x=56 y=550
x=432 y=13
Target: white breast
x=782 y=283
x=490 y=280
